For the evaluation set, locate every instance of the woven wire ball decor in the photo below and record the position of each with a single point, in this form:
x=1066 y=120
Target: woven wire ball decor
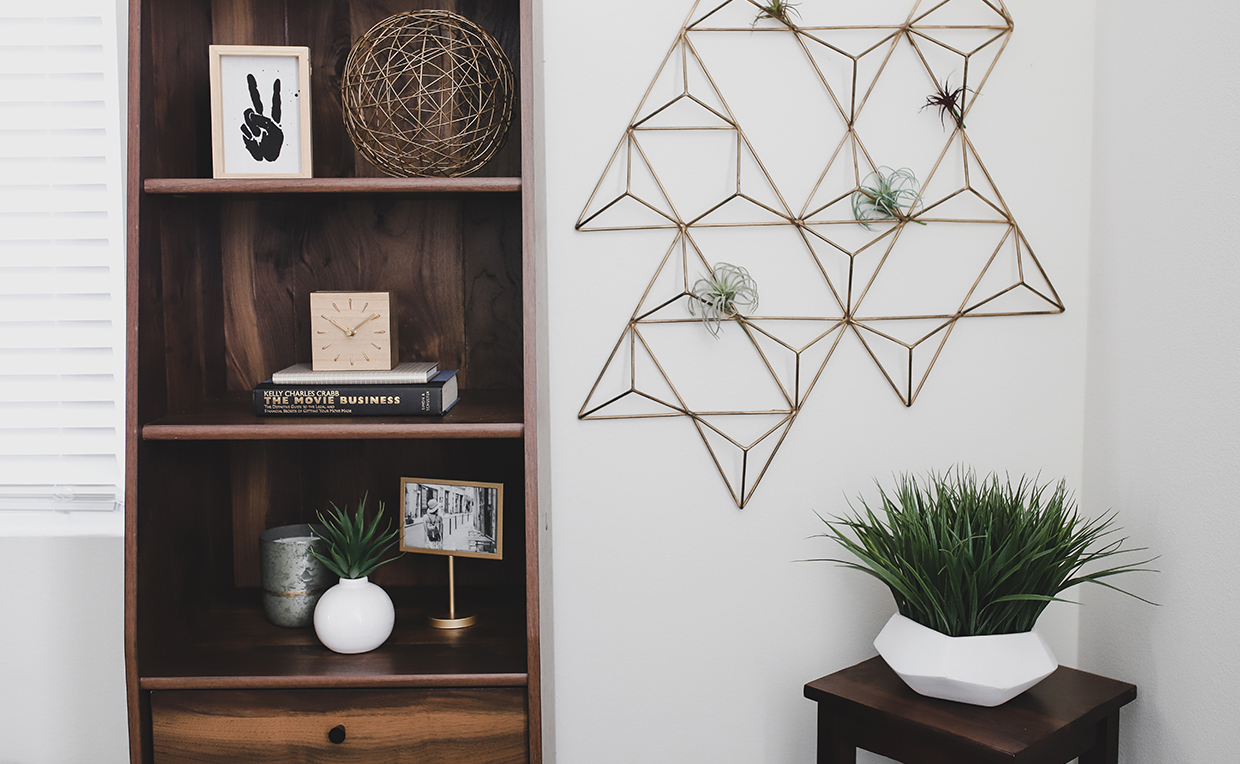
x=427 y=93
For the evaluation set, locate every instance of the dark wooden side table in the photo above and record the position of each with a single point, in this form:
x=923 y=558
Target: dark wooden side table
x=1069 y=714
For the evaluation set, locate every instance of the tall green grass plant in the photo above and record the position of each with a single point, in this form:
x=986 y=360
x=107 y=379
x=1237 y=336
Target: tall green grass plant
x=969 y=557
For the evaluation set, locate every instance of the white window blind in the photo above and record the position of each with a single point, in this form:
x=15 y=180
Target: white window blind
x=61 y=259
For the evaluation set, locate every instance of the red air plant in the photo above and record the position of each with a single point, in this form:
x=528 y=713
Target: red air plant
x=948 y=101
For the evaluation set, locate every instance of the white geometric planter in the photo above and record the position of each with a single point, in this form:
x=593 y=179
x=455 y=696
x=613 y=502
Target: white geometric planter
x=982 y=671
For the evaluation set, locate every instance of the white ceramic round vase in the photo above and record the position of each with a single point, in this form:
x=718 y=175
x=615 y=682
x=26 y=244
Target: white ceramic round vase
x=354 y=616
x=982 y=671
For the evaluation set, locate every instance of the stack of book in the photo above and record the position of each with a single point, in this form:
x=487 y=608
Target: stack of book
x=409 y=389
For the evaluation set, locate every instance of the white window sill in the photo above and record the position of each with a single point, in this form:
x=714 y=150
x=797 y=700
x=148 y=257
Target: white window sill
x=52 y=523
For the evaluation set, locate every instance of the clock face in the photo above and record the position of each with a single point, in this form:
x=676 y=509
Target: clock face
x=352 y=331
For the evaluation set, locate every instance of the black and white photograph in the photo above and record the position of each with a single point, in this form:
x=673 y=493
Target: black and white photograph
x=452 y=518
x=260 y=111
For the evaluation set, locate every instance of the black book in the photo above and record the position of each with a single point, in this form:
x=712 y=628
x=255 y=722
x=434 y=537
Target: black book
x=435 y=398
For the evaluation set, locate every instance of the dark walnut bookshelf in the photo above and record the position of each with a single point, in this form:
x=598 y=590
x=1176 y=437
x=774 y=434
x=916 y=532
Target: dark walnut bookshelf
x=219 y=276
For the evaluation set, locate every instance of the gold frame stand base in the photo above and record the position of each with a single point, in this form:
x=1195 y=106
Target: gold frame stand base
x=446 y=622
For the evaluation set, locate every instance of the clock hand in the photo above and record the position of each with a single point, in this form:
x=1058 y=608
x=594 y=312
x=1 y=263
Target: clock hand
x=347 y=332
x=371 y=317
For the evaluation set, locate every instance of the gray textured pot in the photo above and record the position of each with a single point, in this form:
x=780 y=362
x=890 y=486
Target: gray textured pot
x=293 y=581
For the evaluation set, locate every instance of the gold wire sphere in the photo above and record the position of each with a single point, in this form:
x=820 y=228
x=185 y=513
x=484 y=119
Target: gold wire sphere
x=427 y=93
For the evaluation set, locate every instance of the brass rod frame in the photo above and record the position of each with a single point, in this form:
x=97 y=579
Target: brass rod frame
x=451 y=620
x=796 y=367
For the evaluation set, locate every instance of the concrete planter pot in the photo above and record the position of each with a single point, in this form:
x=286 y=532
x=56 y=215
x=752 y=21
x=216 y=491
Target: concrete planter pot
x=293 y=580
x=982 y=671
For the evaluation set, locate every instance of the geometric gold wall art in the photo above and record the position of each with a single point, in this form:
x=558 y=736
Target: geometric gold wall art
x=845 y=98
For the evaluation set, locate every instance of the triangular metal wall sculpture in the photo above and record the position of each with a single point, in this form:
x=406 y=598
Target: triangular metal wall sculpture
x=849 y=267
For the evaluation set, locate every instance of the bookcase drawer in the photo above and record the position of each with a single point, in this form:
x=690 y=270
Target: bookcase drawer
x=434 y=726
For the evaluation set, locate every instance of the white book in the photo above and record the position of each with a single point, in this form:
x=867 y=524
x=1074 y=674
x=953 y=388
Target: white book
x=412 y=373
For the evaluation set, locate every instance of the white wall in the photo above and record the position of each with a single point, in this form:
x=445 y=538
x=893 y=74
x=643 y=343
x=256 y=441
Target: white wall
x=683 y=628
x=1162 y=429
x=62 y=659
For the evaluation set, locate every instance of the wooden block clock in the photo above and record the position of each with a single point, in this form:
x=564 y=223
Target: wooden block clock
x=352 y=331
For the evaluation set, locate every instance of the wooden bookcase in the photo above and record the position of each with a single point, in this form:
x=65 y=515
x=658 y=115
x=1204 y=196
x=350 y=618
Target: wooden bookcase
x=219 y=275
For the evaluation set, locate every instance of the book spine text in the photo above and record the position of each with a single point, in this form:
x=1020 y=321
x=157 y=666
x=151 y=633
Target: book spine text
x=376 y=400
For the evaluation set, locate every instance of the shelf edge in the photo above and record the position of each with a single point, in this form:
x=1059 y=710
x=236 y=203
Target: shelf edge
x=330 y=682
x=329 y=431
x=330 y=185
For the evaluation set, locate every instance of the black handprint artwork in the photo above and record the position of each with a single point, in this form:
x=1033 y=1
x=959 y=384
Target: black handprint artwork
x=263 y=137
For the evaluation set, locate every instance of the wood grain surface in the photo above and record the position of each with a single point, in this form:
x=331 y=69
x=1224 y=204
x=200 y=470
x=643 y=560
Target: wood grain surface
x=491 y=253
x=456 y=277
x=289 y=481
x=480 y=414
x=471 y=184
x=181 y=30
x=219 y=274
x=205 y=502
x=869 y=706
x=443 y=726
x=534 y=359
x=234 y=646
x=328 y=28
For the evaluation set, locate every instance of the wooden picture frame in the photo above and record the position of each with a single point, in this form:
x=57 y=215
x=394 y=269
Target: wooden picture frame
x=260 y=111
x=467 y=512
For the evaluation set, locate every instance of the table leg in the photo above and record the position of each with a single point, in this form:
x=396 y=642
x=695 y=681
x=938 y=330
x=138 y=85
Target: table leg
x=833 y=744
x=1106 y=750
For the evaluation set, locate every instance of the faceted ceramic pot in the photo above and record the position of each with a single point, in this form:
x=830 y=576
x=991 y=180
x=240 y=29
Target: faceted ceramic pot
x=983 y=671
x=354 y=616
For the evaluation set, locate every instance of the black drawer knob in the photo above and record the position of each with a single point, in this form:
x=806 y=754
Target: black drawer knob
x=336 y=734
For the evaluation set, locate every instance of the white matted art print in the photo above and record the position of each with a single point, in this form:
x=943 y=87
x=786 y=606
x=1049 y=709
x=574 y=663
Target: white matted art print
x=452 y=518
x=260 y=111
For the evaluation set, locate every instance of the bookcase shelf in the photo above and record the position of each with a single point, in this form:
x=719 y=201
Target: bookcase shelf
x=331 y=185
x=220 y=272
x=479 y=414
x=234 y=647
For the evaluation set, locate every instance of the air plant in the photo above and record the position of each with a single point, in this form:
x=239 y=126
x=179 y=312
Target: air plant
x=354 y=546
x=722 y=294
x=948 y=101
x=778 y=10
x=886 y=195
x=967 y=556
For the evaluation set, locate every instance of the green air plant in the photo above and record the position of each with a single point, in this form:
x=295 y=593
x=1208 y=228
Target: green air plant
x=886 y=194
x=355 y=546
x=778 y=10
x=969 y=557
x=948 y=101
x=722 y=294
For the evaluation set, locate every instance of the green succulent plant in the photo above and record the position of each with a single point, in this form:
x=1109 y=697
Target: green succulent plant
x=355 y=546
x=722 y=294
x=969 y=557
x=778 y=10
x=886 y=194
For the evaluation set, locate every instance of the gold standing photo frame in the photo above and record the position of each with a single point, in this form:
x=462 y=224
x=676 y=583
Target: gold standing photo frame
x=453 y=518
x=260 y=111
